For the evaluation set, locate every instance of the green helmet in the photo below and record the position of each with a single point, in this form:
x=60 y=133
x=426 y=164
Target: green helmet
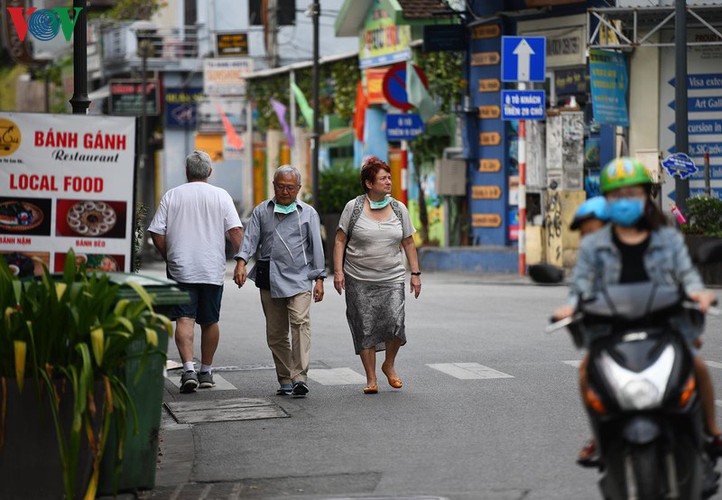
x=622 y=172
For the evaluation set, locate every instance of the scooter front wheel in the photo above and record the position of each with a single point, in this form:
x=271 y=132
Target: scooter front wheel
x=645 y=475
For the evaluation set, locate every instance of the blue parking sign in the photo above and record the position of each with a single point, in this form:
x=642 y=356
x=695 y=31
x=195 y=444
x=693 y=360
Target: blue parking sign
x=523 y=59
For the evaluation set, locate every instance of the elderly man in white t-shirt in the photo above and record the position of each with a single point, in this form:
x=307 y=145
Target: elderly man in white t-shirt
x=189 y=231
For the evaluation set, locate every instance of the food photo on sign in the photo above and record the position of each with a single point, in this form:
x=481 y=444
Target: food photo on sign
x=25 y=216
x=91 y=218
x=26 y=264
x=93 y=262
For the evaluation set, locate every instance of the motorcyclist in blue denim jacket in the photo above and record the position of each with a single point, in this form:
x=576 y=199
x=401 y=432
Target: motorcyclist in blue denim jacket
x=636 y=246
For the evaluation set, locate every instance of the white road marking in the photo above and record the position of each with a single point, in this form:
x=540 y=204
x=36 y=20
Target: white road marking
x=221 y=383
x=336 y=376
x=573 y=362
x=469 y=371
x=718 y=402
x=714 y=364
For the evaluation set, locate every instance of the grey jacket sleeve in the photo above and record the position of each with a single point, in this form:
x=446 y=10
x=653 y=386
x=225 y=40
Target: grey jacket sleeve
x=686 y=273
x=318 y=264
x=251 y=237
x=581 y=283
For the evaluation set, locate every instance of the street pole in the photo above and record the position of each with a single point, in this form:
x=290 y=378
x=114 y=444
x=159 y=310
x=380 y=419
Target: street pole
x=80 y=100
x=143 y=171
x=47 y=88
x=315 y=14
x=521 y=192
x=681 y=138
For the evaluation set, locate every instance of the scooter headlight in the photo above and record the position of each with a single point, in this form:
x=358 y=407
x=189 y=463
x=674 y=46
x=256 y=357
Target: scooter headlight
x=640 y=394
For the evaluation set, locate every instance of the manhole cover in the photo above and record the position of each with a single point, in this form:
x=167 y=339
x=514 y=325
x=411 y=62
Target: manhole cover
x=227 y=410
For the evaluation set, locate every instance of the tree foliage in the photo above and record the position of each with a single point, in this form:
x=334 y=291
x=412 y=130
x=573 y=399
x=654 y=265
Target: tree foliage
x=133 y=10
x=337 y=92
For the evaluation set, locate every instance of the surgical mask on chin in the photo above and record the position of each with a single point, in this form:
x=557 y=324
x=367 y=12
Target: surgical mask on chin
x=376 y=205
x=284 y=209
x=626 y=212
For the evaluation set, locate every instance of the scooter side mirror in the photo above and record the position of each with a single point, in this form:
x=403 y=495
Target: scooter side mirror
x=546 y=273
x=709 y=252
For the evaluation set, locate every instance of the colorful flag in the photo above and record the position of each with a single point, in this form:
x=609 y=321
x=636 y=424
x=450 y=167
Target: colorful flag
x=359 y=116
x=233 y=138
x=306 y=110
x=280 y=110
x=417 y=94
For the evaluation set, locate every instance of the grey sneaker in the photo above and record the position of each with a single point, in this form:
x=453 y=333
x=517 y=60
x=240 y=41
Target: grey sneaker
x=284 y=390
x=189 y=382
x=206 y=380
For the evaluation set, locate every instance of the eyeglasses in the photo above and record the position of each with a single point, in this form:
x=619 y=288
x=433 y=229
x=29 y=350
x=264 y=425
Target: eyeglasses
x=285 y=188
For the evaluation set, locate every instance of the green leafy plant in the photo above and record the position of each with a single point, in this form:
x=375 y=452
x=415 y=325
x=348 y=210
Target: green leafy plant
x=64 y=335
x=704 y=216
x=337 y=184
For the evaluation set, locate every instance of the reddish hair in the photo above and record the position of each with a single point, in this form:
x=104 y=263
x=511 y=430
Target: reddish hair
x=370 y=168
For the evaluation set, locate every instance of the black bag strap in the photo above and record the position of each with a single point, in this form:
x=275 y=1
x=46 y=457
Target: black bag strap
x=358 y=207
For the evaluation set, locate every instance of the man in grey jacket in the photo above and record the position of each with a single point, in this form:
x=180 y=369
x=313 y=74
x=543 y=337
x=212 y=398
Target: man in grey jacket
x=284 y=234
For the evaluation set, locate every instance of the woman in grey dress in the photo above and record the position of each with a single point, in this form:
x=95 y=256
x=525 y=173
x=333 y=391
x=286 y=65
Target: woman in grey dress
x=368 y=264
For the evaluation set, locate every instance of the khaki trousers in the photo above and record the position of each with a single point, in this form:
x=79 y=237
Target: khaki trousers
x=291 y=359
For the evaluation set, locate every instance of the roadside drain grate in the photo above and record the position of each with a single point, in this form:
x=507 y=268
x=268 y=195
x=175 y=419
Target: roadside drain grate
x=227 y=410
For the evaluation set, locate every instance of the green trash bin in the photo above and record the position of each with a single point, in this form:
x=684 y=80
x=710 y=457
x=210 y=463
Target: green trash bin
x=141 y=448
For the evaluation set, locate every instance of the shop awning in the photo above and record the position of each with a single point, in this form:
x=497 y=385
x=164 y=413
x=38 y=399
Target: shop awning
x=100 y=93
x=338 y=138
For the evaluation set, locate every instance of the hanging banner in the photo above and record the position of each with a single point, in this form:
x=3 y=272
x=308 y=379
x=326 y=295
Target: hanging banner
x=66 y=182
x=609 y=82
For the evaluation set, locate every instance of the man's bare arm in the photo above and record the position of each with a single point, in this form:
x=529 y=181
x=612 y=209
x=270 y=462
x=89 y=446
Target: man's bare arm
x=159 y=242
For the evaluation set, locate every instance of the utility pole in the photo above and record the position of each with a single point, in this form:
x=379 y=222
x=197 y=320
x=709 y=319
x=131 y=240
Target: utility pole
x=315 y=14
x=272 y=32
x=80 y=100
x=681 y=138
x=144 y=173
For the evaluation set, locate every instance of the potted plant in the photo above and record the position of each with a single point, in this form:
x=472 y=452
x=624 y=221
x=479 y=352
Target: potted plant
x=63 y=343
x=704 y=223
x=337 y=184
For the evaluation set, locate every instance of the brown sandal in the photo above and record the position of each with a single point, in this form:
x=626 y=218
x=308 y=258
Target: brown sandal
x=588 y=456
x=393 y=382
x=371 y=389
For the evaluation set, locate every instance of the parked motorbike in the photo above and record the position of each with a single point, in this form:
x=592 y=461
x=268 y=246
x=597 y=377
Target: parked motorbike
x=642 y=396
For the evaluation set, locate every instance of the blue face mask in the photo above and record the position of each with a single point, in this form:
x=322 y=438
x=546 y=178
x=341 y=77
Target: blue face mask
x=284 y=209
x=626 y=212
x=376 y=205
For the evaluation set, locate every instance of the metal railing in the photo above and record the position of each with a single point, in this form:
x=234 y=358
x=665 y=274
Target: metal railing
x=120 y=42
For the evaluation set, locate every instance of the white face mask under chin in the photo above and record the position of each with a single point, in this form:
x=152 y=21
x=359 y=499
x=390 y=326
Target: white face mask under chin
x=377 y=205
x=284 y=209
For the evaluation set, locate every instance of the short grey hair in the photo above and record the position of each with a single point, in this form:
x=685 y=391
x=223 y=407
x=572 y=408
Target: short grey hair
x=198 y=166
x=286 y=170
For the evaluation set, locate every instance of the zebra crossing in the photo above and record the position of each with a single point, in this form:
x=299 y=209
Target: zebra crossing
x=350 y=376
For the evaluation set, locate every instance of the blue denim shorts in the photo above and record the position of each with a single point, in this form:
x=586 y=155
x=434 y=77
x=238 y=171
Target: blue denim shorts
x=205 y=304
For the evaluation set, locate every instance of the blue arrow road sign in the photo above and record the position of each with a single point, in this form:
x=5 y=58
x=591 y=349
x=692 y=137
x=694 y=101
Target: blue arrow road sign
x=702 y=81
x=523 y=59
x=701 y=104
x=701 y=127
x=679 y=165
x=523 y=105
x=699 y=191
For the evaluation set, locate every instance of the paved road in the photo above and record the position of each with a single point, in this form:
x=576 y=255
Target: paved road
x=489 y=407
